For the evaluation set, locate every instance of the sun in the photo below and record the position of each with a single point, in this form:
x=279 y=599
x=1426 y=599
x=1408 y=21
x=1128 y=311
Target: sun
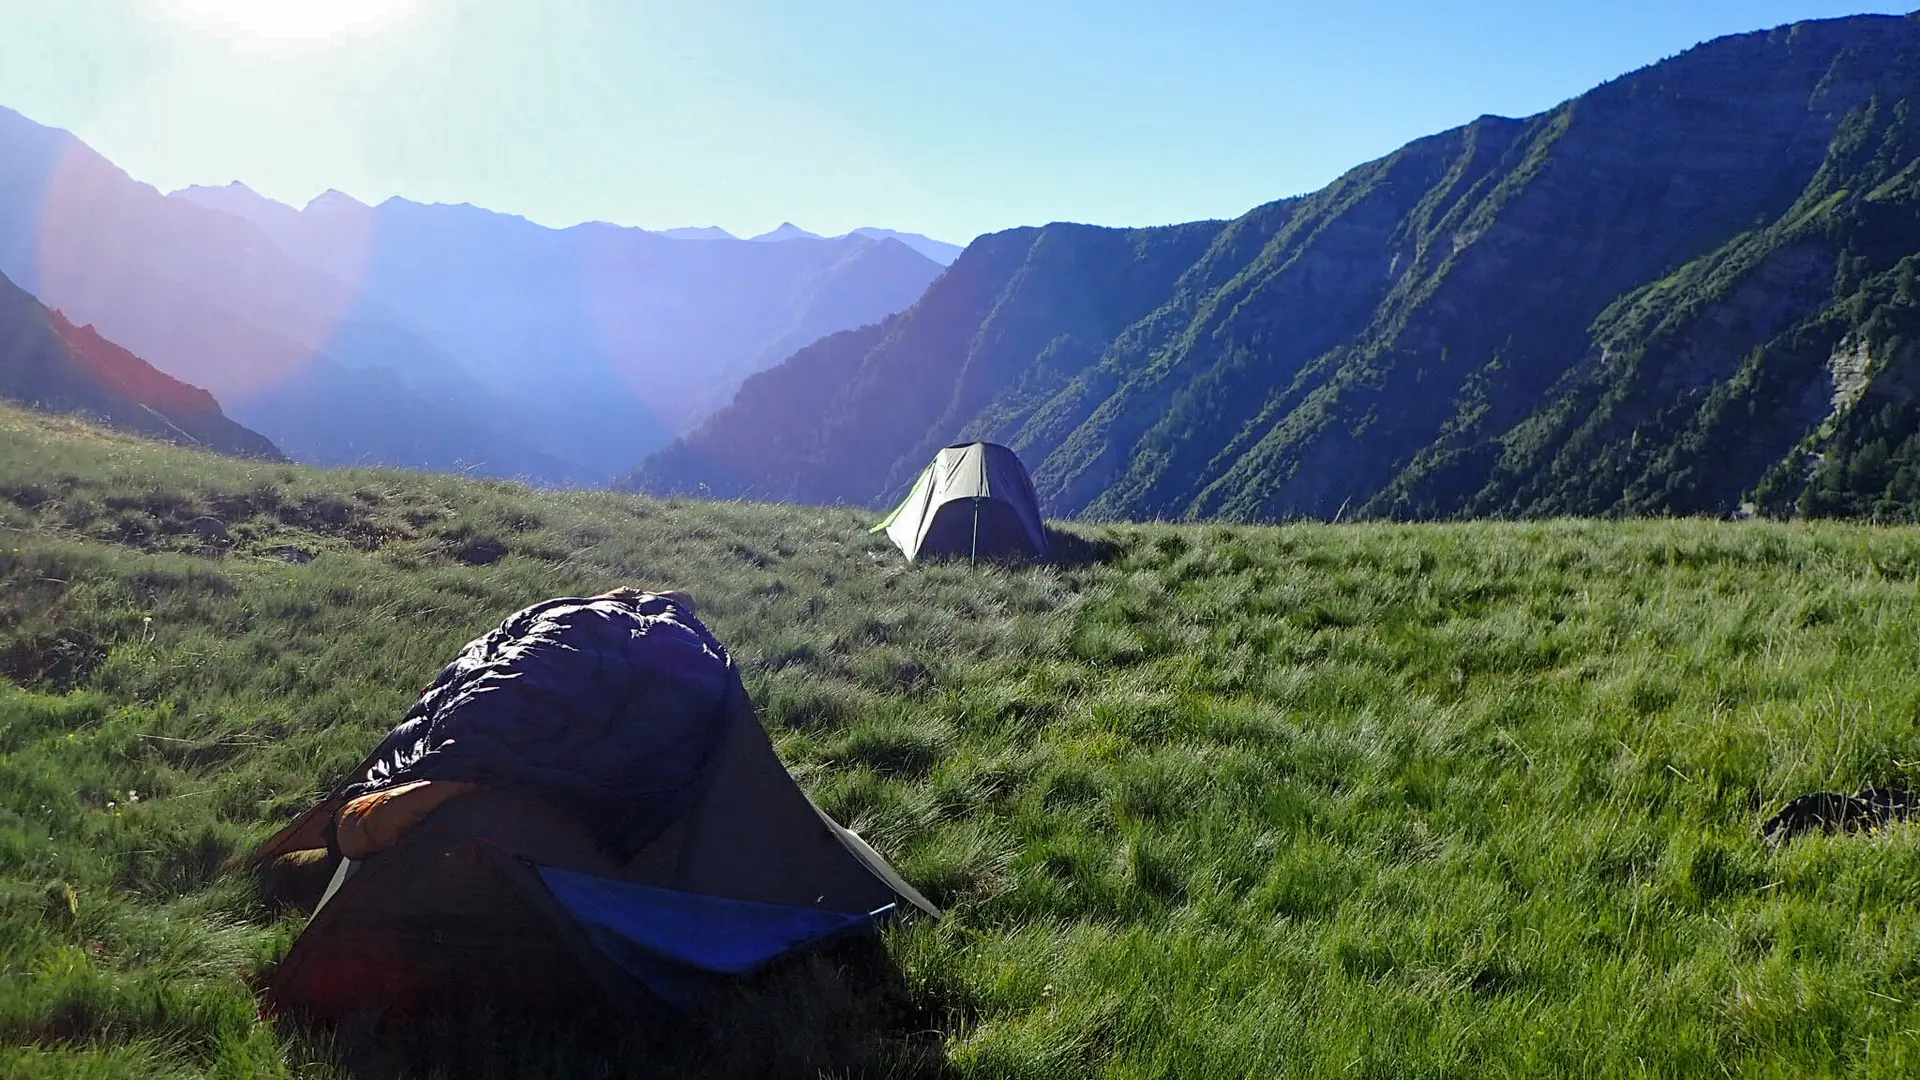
x=289 y=21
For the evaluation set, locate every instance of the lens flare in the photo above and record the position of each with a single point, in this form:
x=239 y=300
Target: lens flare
x=122 y=263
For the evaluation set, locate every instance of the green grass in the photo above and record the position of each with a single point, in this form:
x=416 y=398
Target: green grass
x=1395 y=801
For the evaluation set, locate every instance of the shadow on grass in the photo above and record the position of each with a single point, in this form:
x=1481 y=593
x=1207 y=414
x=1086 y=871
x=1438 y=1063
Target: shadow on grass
x=1069 y=549
x=1066 y=549
x=842 y=1010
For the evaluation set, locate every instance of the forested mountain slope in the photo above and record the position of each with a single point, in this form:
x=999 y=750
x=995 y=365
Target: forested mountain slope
x=1688 y=289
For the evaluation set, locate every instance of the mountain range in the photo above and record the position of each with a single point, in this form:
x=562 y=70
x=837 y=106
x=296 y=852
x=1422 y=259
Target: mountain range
x=596 y=342
x=938 y=250
x=1689 y=290
x=427 y=336
x=48 y=363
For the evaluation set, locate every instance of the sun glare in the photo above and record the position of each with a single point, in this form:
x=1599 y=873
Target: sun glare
x=289 y=21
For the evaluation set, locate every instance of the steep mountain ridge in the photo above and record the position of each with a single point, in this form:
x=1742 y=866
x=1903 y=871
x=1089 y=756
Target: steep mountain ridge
x=49 y=364
x=1033 y=306
x=1471 y=325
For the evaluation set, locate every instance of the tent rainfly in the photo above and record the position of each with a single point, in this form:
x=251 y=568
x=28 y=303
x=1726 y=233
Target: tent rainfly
x=612 y=826
x=974 y=501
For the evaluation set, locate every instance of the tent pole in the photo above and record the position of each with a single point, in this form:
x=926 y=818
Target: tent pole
x=974 y=556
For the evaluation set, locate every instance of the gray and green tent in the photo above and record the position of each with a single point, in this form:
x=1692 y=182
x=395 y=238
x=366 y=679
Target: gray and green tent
x=974 y=501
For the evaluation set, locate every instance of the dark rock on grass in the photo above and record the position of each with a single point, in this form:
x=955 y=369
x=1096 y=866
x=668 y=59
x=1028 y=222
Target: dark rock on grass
x=211 y=529
x=480 y=551
x=1831 y=812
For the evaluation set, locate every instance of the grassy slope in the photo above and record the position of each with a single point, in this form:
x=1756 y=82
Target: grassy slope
x=1315 y=800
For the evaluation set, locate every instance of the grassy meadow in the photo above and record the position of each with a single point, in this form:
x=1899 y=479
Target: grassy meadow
x=1357 y=800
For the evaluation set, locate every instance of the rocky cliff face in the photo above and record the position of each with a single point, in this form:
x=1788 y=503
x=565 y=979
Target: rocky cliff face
x=48 y=363
x=1626 y=304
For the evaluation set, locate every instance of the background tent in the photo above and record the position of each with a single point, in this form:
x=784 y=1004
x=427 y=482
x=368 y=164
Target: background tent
x=974 y=501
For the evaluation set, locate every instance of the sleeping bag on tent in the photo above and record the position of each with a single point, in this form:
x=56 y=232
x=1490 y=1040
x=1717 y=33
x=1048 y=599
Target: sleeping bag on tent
x=607 y=706
x=582 y=803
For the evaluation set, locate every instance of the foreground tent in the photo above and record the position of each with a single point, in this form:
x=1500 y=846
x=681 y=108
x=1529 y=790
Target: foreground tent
x=974 y=501
x=534 y=889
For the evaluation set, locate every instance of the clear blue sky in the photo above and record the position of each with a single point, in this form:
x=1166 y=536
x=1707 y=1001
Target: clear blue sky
x=945 y=118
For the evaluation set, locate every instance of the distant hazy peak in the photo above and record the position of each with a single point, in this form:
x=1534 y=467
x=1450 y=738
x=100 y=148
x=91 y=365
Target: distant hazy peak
x=709 y=232
x=238 y=200
x=938 y=250
x=223 y=197
x=787 y=231
x=213 y=191
x=333 y=198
